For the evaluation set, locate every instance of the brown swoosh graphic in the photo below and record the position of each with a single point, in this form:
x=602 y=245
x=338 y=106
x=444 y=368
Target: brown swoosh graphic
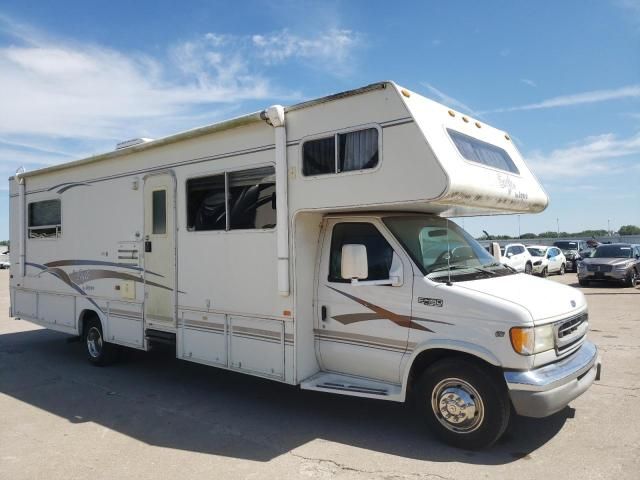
x=400 y=320
x=83 y=276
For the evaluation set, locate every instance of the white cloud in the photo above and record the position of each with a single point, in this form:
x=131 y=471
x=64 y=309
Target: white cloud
x=592 y=156
x=450 y=101
x=631 y=91
x=62 y=99
x=529 y=82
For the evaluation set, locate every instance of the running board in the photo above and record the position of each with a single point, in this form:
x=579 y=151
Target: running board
x=159 y=336
x=353 y=386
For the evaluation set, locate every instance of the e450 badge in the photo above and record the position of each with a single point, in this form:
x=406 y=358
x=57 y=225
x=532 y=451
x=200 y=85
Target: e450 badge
x=431 y=302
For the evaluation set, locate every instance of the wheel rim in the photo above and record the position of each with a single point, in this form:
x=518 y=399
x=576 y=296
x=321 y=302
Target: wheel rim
x=457 y=405
x=634 y=278
x=527 y=269
x=562 y=270
x=94 y=342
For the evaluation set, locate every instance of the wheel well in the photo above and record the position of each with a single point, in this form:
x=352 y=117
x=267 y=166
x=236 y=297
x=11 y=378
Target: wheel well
x=433 y=355
x=84 y=317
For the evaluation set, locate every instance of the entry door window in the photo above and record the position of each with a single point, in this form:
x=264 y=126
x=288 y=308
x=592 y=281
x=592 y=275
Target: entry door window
x=159 y=209
x=379 y=252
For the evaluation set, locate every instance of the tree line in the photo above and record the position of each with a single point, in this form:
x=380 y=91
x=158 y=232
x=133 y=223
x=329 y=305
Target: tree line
x=624 y=230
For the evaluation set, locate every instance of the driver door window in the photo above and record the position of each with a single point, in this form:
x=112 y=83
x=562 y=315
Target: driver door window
x=379 y=252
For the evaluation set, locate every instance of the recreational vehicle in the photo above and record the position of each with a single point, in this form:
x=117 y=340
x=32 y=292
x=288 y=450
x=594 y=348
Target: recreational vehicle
x=311 y=245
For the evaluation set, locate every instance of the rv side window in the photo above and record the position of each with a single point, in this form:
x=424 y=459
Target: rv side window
x=45 y=219
x=206 y=203
x=355 y=151
x=249 y=202
x=478 y=151
x=379 y=252
x=252 y=198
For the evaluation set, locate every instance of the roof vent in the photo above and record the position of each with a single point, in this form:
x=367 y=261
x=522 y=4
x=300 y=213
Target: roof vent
x=132 y=142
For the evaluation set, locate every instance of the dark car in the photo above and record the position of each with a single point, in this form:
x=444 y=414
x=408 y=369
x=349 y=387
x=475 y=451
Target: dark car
x=611 y=262
x=574 y=251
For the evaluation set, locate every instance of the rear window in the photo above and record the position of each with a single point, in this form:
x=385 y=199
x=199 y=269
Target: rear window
x=481 y=152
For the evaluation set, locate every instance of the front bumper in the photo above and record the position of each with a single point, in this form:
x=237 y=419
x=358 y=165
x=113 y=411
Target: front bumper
x=613 y=275
x=546 y=390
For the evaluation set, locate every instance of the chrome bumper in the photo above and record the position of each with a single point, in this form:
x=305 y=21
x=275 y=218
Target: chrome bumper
x=546 y=390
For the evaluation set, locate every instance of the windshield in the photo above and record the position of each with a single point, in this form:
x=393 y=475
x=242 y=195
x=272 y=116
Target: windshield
x=537 y=252
x=566 y=245
x=444 y=251
x=612 y=251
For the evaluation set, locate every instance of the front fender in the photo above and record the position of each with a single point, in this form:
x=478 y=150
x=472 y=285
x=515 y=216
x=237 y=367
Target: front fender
x=444 y=344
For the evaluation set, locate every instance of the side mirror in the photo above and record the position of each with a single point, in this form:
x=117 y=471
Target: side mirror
x=354 y=264
x=509 y=255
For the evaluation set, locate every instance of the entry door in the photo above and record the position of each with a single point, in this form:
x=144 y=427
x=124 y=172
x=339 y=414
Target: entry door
x=362 y=330
x=159 y=251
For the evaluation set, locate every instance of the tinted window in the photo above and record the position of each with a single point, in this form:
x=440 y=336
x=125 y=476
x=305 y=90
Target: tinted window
x=319 y=156
x=206 y=203
x=159 y=210
x=478 y=151
x=612 y=251
x=567 y=245
x=379 y=252
x=356 y=151
x=45 y=219
x=252 y=198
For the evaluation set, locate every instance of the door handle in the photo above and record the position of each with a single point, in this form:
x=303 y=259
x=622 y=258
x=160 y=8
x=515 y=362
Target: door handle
x=323 y=313
x=147 y=246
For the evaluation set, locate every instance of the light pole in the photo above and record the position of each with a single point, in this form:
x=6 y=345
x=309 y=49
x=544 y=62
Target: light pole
x=558 y=226
x=518 y=226
x=608 y=228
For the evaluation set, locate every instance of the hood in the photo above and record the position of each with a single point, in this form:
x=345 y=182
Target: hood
x=607 y=261
x=544 y=299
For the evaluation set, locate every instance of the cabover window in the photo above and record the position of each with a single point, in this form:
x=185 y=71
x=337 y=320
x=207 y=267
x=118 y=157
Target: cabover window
x=230 y=201
x=478 y=151
x=342 y=152
x=45 y=219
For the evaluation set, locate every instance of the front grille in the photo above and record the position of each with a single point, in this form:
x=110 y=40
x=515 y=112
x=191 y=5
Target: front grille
x=599 y=268
x=570 y=333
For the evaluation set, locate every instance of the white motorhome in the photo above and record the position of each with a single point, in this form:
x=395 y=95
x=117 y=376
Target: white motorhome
x=311 y=245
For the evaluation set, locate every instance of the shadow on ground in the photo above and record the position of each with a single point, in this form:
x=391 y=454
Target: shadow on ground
x=162 y=401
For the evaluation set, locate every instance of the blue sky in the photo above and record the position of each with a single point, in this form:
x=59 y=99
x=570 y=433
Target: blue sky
x=562 y=77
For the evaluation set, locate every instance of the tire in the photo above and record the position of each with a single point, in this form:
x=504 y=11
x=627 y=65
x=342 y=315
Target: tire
x=583 y=283
x=452 y=389
x=545 y=272
x=528 y=268
x=99 y=352
x=562 y=270
x=632 y=278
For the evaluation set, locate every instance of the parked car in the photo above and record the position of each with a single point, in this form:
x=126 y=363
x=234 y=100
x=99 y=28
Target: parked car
x=611 y=262
x=574 y=251
x=4 y=264
x=516 y=256
x=547 y=260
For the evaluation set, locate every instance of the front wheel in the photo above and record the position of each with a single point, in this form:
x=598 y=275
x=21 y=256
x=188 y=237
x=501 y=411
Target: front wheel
x=632 y=278
x=528 y=269
x=583 y=283
x=465 y=404
x=545 y=272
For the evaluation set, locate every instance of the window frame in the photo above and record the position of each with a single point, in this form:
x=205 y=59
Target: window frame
x=166 y=211
x=334 y=134
x=227 y=229
x=480 y=164
x=58 y=226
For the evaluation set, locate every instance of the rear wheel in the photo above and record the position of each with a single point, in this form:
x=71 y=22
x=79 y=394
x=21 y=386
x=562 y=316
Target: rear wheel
x=562 y=269
x=463 y=403
x=528 y=268
x=99 y=352
x=632 y=278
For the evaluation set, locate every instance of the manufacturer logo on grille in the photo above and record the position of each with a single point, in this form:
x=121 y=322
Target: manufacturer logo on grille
x=573 y=303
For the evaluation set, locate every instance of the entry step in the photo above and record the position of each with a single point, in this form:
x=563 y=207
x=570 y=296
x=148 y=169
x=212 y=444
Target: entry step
x=159 y=336
x=354 y=386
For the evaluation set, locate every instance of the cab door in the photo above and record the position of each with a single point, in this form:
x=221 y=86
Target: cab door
x=362 y=329
x=159 y=252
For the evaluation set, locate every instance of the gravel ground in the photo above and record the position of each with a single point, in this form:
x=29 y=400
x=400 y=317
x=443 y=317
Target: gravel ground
x=152 y=416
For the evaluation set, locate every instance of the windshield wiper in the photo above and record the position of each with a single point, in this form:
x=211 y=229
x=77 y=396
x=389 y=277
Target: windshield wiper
x=458 y=267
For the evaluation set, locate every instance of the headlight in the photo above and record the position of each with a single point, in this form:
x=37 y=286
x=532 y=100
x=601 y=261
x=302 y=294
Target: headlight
x=539 y=262
x=531 y=340
x=621 y=267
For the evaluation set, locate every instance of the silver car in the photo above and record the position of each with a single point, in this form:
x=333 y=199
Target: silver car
x=611 y=262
